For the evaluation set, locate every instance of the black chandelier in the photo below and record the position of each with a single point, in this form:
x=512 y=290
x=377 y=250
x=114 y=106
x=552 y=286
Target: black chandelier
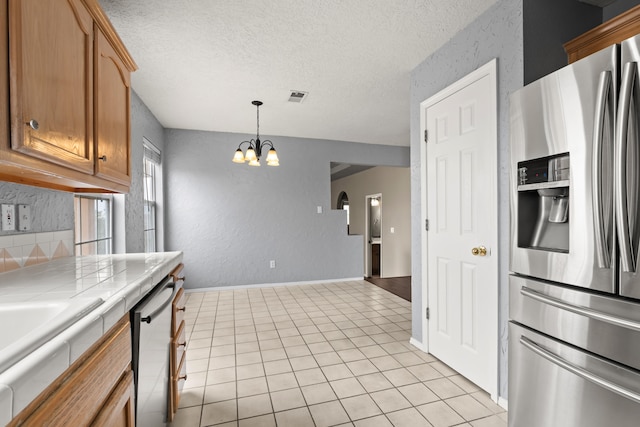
x=254 y=151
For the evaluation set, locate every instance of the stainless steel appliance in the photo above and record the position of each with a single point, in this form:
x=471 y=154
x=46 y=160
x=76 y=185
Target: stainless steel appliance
x=574 y=331
x=151 y=337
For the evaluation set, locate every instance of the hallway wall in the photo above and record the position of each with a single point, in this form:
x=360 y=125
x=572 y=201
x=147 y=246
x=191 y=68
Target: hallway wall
x=394 y=184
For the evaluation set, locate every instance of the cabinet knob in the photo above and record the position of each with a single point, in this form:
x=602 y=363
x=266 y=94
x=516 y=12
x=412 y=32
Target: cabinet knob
x=33 y=124
x=183 y=377
x=103 y=158
x=182 y=309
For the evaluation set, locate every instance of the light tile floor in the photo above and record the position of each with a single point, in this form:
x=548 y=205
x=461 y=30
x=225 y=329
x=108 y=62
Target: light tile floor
x=334 y=354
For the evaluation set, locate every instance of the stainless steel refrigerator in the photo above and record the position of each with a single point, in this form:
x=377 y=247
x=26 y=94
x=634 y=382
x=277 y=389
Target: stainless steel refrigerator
x=574 y=303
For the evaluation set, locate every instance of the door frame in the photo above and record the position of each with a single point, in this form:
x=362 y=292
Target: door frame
x=367 y=234
x=489 y=69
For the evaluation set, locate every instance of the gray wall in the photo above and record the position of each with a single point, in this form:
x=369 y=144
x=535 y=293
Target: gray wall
x=498 y=33
x=232 y=219
x=548 y=24
x=143 y=124
x=50 y=210
x=617 y=7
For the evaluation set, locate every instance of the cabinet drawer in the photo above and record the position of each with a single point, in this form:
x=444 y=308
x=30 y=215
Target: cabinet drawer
x=178 y=311
x=177 y=382
x=178 y=347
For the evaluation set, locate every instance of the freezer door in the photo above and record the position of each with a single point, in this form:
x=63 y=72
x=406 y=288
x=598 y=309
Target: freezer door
x=566 y=116
x=588 y=392
x=627 y=169
x=607 y=326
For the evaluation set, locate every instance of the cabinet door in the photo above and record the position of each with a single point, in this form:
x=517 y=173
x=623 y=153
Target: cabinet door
x=119 y=409
x=112 y=113
x=51 y=80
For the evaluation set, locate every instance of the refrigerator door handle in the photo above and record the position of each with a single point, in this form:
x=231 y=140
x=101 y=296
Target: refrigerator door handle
x=582 y=311
x=622 y=210
x=601 y=210
x=581 y=372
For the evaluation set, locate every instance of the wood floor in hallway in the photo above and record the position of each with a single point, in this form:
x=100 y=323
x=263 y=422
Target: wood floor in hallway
x=400 y=286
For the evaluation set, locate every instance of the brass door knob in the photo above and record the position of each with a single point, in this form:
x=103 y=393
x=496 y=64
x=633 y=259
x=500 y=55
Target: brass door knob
x=479 y=251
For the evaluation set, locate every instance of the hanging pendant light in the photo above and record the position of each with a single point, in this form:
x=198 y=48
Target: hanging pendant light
x=254 y=151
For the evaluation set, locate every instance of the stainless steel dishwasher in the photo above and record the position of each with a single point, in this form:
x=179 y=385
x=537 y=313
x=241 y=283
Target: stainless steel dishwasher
x=151 y=339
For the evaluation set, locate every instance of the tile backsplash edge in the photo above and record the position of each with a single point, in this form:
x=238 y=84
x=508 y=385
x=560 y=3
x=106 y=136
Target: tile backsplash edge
x=22 y=250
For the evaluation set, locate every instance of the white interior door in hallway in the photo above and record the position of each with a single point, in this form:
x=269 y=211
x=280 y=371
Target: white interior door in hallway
x=460 y=203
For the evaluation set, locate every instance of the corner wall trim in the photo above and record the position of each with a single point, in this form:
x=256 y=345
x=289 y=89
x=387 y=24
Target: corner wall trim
x=504 y=403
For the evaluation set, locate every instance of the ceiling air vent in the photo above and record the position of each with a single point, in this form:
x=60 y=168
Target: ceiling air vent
x=297 y=96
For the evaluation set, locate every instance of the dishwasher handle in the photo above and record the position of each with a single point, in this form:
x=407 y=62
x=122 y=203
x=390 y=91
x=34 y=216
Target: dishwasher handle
x=151 y=316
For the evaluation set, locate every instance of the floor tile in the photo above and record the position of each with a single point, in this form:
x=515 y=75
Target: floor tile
x=281 y=381
x=261 y=421
x=385 y=363
x=336 y=372
x=418 y=394
x=424 y=372
x=409 y=417
x=251 y=386
x=359 y=407
x=390 y=400
x=318 y=393
x=440 y=414
x=378 y=421
x=250 y=371
x=310 y=376
x=374 y=382
x=303 y=362
x=361 y=367
x=444 y=388
x=252 y=406
x=219 y=412
x=325 y=359
x=328 y=414
x=300 y=417
x=218 y=392
x=187 y=417
x=192 y=397
x=277 y=367
x=287 y=399
x=248 y=358
x=347 y=387
x=468 y=407
x=399 y=377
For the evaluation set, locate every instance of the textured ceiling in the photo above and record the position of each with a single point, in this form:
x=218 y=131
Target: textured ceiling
x=202 y=62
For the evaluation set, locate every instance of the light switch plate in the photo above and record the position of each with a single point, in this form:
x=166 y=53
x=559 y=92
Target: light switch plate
x=8 y=217
x=24 y=217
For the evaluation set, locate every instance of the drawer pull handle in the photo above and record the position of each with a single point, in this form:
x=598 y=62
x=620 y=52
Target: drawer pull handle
x=184 y=377
x=103 y=158
x=182 y=344
x=579 y=371
x=33 y=124
x=182 y=309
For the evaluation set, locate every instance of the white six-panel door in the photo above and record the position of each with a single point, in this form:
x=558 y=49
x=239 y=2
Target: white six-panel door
x=461 y=243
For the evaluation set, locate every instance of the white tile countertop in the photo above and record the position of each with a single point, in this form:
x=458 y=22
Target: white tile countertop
x=116 y=282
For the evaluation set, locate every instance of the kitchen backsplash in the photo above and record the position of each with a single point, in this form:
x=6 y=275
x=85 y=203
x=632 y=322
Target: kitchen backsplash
x=23 y=250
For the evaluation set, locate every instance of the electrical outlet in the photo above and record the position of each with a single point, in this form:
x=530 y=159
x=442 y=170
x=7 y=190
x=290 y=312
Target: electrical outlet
x=24 y=217
x=8 y=217
x=272 y=263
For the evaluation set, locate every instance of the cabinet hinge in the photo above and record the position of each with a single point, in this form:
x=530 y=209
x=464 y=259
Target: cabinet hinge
x=427 y=313
x=426 y=138
x=426 y=224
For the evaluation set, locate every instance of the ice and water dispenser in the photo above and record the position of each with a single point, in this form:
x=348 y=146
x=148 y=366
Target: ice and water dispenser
x=543 y=203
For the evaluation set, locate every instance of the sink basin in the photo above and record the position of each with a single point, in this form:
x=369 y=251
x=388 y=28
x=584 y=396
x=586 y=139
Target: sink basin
x=28 y=325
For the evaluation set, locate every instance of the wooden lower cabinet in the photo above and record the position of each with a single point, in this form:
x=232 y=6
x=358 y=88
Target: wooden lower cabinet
x=178 y=355
x=96 y=390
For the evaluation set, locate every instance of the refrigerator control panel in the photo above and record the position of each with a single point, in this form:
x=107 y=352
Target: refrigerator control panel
x=544 y=169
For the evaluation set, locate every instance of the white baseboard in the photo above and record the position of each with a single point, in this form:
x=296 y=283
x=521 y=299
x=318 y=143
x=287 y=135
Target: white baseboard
x=269 y=285
x=414 y=342
x=503 y=403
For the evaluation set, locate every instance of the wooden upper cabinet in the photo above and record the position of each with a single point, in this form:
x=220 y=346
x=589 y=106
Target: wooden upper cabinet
x=65 y=84
x=112 y=113
x=51 y=81
x=615 y=30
